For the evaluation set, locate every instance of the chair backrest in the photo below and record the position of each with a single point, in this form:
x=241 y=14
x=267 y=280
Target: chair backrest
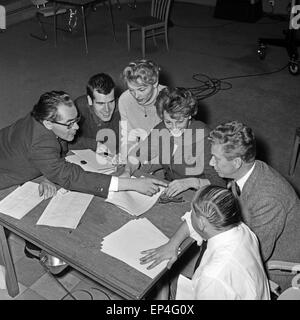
x=160 y=9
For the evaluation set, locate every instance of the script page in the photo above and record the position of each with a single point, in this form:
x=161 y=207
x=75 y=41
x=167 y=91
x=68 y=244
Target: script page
x=22 y=200
x=135 y=236
x=65 y=209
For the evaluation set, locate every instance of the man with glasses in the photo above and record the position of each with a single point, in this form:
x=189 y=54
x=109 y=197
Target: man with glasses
x=99 y=112
x=36 y=145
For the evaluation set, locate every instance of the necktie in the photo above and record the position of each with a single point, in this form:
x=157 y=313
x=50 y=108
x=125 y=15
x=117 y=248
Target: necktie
x=64 y=147
x=234 y=187
x=202 y=249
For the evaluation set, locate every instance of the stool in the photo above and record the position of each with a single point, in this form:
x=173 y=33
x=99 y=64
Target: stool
x=295 y=152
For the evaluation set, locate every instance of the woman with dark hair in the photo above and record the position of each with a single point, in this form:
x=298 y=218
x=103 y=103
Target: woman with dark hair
x=178 y=145
x=231 y=267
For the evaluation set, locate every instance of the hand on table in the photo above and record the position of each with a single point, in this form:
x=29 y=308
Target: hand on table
x=148 y=186
x=177 y=186
x=158 y=255
x=47 y=189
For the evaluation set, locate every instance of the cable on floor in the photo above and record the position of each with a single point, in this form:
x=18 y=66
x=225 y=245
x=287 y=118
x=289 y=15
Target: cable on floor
x=211 y=86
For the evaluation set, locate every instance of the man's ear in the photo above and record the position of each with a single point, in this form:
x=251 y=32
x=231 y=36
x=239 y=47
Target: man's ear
x=237 y=162
x=89 y=100
x=201 y=222
x=48 y=124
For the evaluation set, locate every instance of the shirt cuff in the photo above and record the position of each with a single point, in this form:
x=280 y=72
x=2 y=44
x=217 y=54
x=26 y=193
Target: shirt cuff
x=114 y=184
x=193 y=234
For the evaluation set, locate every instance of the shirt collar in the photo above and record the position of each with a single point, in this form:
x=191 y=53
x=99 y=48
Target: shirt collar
x=241 y=182
x=222 y=238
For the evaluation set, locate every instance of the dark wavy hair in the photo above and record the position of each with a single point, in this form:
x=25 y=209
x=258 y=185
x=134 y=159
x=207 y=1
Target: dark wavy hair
x=177 y=102
x=100 y=82
x=237 y=139
x=218 y=205
x=46 y=107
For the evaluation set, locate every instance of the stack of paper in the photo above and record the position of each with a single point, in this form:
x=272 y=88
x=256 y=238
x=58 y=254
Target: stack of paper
x=89 y=160
x=127 y=243
x=133 y=202
x=65 y=209
x=22 y=200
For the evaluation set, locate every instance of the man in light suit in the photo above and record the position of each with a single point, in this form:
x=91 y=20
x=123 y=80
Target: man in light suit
x=271 y=207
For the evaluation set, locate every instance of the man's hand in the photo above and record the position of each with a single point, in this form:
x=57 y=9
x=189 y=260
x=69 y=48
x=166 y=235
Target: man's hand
x=102 y=148
x=166 y=252
x=118 y=160
x=177 y=186
x=148 y=186
x=47 y=189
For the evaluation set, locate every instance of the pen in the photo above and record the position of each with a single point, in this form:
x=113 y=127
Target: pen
x=106 y=154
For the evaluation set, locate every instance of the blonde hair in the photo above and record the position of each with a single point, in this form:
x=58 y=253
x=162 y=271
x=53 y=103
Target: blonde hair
x=141 y=72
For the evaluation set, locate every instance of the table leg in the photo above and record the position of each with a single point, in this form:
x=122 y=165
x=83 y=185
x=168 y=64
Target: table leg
x=10 y=274
x=54 y=24
x=84 y=29
x=112 y=19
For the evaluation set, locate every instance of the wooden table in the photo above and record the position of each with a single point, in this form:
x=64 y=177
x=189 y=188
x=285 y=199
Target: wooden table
x=82 y=5
x=80 y=247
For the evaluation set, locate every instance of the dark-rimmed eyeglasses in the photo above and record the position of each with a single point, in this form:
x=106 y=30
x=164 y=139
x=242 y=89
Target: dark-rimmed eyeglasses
x=70 y=124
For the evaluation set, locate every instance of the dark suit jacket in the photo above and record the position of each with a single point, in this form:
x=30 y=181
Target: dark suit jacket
x=271 y=208
x=28 y=150
x=90 y=124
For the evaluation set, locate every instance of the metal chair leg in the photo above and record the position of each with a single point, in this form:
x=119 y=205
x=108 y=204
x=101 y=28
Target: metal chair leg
x=153 y=37
x=143 y=43
x=166 y=38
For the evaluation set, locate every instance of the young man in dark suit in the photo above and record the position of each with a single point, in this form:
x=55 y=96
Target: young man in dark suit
x=99 y=112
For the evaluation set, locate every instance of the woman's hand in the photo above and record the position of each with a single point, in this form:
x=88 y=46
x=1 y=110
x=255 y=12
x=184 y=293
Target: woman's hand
x=167 y=251
x=177 y=186
x=47 y=189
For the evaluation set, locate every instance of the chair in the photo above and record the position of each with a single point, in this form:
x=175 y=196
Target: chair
x=293 y=292
x=45 y=10
x=290 y=42
x=295 y=152
x=156 y=22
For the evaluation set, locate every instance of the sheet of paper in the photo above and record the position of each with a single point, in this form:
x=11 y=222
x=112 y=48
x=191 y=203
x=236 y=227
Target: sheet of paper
x=18 y=203
x=65 y=209
x=184 y=289
x=127 y=243
x=89 y=160
x=2 y=277
x=133 y=202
